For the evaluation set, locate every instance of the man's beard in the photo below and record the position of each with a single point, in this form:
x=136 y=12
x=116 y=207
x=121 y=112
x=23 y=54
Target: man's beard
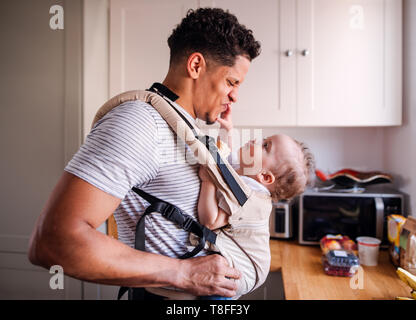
x=208 y=120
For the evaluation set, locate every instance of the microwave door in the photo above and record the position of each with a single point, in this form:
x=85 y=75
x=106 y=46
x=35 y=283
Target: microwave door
x=351 y=216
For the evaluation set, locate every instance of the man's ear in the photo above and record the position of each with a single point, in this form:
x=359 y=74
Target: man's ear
x=196 y=63
x=266 y=177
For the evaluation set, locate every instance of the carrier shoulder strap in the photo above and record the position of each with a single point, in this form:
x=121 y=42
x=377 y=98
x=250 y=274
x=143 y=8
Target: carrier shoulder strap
x=162 y=99
x=208 y=142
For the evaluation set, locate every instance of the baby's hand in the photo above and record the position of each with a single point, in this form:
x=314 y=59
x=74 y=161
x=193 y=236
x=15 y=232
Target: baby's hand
x=203 y=174
x=225 y=119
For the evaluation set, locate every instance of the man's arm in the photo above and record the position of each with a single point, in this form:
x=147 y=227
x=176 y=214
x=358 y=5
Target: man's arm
x=209 y=214
x=65 y=234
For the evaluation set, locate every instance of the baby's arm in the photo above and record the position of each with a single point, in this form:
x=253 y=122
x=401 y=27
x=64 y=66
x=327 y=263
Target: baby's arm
x=209 y=214
x=226 y=127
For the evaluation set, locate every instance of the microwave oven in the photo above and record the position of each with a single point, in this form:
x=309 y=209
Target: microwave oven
x=351 y=214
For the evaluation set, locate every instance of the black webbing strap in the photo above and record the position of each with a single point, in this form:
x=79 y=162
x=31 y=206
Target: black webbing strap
x=164 y=91
x=208 y=141
x=228 y=177
x=139 y=244
x=160 y=89
x=174 y=214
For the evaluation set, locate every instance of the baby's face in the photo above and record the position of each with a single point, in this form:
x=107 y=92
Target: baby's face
x=268 y=153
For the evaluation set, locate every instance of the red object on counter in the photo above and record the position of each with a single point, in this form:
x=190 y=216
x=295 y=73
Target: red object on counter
x=338 y=271
x=350 y=177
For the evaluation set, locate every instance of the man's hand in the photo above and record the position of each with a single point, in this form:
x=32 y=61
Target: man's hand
x=208 y=275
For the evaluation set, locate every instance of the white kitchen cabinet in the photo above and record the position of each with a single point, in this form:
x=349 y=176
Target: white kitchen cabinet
x=323 y=62
x=264 y=99
x=352 y=74
x=139 y=53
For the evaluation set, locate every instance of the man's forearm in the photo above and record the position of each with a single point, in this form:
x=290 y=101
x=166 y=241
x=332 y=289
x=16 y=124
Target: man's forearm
x=101 y=259
x=65 y=234
x=89 y=255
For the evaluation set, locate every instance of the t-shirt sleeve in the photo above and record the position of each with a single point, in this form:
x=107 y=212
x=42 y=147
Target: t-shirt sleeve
x=121 y=151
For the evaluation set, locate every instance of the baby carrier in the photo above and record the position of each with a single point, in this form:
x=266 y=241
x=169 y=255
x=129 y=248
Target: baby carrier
x=244 y=204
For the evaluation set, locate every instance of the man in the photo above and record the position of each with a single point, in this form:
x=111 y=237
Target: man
x=133 y=146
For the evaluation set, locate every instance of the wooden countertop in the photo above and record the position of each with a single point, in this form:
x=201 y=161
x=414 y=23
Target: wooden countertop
x=304 y=277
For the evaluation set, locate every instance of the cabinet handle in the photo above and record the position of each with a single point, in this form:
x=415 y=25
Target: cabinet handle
x=289 y=53
x=305 y=52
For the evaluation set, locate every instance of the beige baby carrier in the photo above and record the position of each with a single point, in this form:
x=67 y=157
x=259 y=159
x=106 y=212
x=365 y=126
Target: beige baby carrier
x=248 y=228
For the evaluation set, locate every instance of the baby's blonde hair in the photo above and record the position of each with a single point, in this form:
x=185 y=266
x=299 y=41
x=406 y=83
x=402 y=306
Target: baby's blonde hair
x=292 y=177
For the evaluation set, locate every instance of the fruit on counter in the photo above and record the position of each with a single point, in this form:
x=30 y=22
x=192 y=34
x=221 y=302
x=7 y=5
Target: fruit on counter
x=337 y=242
x=407 y=278
x=349 y=245
x=333 y=245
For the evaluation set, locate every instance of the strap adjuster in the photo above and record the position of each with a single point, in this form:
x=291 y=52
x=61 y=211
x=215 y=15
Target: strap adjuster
x=169 y=211
x=187 y=224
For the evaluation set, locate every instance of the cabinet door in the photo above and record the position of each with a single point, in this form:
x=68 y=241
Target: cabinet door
x=349 y=62
x=263 y=99
x=139 y=29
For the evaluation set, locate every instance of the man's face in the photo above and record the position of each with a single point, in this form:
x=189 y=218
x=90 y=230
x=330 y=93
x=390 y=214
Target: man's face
x=217 y=88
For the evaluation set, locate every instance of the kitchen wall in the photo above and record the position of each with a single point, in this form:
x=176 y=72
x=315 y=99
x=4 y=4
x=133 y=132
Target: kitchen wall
x=337 y=148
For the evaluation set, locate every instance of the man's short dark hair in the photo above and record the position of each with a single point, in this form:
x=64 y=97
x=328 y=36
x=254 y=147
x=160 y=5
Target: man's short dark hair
x=216 y=34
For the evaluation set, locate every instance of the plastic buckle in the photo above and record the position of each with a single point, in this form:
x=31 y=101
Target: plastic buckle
x=168 y=211
x=187 y=224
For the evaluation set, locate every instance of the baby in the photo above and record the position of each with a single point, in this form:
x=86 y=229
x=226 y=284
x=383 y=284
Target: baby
x=279 y=167
x=283 y=173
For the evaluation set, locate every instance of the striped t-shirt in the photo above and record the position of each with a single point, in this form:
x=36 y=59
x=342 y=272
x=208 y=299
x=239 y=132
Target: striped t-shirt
x=133 y=145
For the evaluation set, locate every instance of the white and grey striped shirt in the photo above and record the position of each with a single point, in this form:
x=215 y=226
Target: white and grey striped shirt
x=133 y=145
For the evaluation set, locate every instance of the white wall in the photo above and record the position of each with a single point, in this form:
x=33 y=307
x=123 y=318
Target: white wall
x=337 y=148
x=95 y=59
